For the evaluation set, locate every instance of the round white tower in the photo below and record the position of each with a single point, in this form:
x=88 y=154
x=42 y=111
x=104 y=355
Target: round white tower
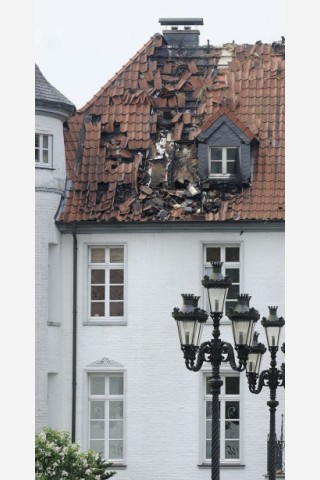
x=51 y=111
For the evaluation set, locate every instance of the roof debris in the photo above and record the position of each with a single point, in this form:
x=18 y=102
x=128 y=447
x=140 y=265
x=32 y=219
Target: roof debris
x=132 y=150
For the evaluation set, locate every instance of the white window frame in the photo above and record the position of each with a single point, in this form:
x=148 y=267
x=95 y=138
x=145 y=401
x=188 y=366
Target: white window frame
x=107 y=372
x=106 y=319
x=223 y=398
x=207 y=268
x=224 y=161
x=41 y=163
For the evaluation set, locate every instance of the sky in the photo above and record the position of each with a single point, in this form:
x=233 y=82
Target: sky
x=80 y=45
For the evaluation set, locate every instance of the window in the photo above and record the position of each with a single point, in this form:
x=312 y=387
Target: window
x=43 y=150
x=106 y=417
x=230 y=256
x=223 y=161
x=229 y=419
x=224 y=150
x=106 y=282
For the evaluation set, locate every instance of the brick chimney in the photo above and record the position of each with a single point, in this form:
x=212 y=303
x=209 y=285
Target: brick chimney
x=181 y=33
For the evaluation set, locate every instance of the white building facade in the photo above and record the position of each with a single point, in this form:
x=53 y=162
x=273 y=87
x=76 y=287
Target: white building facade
x=163 y=421
x=109 y=367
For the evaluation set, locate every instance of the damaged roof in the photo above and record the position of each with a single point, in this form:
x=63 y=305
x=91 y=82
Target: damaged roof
x=132 y=150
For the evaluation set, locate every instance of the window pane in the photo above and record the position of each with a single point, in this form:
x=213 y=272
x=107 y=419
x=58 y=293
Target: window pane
x=208 y=410
x=234 y=274
x=97 y=385
x=96 y=410
x=45 y=141
x=116 y=293
x=97 y=255
x=97 y=446
x=207 y=385
x=232 y=254
x=230 y=305
x=208 y=429
x=232 y=153
x=116 y=449
x=36 y=155
x=97 y=309
x=231 y=168
x=116 y=255
x=116 y=409
x=116 y=276
x=233 y=291
x=97 y=276
x=96 y=429
x=97 y=293
x=232 y=385
x=37 y=139
x=213 y=254
x=216 y=153
x=45 y=156
x=232 y=410
x=232 y=429
x=216 y=167
x=116 y=309
x=116 y=386
x=116 y=429
x=232 y=449
x=208 y=449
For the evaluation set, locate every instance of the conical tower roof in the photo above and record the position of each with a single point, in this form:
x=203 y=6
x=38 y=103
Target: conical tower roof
x=48 y=97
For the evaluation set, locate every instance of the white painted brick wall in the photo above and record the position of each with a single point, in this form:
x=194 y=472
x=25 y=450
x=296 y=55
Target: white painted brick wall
x=162 y=396
x=47 y=339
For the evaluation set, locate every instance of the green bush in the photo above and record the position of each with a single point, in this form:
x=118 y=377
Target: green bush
x=57 y=458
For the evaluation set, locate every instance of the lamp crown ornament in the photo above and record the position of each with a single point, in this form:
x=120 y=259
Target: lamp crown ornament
x=189 y=309
x=190 y=302
x=242 y=308
x=272 y=319
x=216 y=279
x=273 y=313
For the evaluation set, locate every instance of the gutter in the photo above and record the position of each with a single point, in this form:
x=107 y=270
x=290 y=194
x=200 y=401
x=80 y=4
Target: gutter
x=178 y=226
x=74 y=335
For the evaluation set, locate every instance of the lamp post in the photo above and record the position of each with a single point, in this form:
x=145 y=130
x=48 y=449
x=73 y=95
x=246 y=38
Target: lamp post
x=190 y=320
x=272 y=378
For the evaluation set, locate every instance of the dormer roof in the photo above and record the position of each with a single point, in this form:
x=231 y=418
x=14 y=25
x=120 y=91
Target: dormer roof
x=222 y=115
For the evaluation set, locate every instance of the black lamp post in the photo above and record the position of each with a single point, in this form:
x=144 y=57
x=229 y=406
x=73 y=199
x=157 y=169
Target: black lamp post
x=190 y=319
x=272 y=378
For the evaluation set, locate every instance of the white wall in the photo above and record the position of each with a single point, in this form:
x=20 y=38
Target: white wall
x=49 y=183
x=162 y=395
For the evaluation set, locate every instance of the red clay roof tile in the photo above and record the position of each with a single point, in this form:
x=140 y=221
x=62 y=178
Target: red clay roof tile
x=138 y=104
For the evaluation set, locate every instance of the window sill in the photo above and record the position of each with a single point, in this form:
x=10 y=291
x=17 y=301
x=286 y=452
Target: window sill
x=45 y=167
x=105 y=322
x=278 y=475
x=223 y=465
x=117 y=466
x=222 y=176
x=54 y=324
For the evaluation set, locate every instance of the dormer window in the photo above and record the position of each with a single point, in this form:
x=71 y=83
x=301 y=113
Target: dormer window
x=223 y=161
x=224 y=150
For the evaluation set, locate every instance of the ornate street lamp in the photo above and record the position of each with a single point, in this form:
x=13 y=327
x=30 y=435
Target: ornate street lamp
x=190 y=320
x=272 y=378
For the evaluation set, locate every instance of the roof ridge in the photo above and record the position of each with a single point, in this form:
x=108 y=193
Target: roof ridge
x=122 y=69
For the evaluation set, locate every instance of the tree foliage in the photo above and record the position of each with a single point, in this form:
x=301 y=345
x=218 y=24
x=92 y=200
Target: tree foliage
x=57 y=458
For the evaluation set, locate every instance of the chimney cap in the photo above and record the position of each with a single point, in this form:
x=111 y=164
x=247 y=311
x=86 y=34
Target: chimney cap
x=181 y=21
